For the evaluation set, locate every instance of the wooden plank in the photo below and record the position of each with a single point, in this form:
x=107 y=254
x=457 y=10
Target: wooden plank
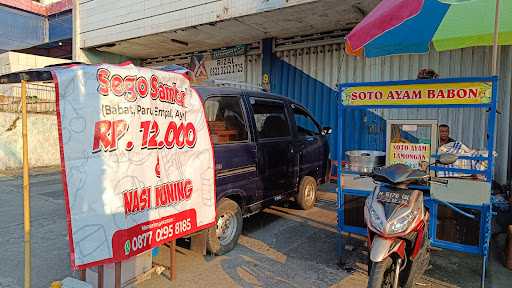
x=118 y=275
x=101 y=276
x=172 y=260
x=198 y=242
x=82 y=275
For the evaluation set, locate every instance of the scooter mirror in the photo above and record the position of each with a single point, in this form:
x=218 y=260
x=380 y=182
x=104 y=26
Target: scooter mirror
x=447 y=158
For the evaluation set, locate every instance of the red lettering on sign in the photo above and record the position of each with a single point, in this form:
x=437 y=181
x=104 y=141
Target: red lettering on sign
x=129 y=84
x=180 y=98
x=462 y=93
x=142 y=87
x=137 y=201
x=119 y=128
x=107 y=133
x=102 y=76
x=170 y=134
x=416 y=94
x=188 y=188
x=101 y=136
x=173 y=193
x=179 y=138
x=154 y=87
x=473 y=92
x=190 y=135
x=117 y=85
x=132 y=87
x=451 y=94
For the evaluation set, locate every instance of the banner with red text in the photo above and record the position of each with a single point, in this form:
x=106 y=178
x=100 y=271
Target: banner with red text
x=137 y=160
x=441 y=93
x=416 y=156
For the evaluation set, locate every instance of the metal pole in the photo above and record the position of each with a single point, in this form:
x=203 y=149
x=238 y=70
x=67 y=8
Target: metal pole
x=495 y=40
x=26 y=186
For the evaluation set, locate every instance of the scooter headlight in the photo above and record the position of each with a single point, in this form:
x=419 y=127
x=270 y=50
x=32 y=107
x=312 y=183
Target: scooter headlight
x=401 y=224
x=375 y=219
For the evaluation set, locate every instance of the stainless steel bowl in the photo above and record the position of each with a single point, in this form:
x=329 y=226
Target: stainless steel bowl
x=365 y=160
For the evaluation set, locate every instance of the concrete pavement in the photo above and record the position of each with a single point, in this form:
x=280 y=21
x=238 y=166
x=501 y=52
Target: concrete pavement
x=280 y=247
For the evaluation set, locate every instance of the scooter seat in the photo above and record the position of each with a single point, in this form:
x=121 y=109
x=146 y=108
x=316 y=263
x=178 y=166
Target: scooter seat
x=399 y=173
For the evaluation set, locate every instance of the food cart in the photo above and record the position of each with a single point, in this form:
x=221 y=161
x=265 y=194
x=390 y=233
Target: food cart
x=467 y=196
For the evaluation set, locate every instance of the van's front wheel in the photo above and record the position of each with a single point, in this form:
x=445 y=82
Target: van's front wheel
x=306 y=197
x=223 y=237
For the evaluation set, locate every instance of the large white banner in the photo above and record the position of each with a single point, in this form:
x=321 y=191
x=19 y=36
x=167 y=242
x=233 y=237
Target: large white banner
x=137 y=160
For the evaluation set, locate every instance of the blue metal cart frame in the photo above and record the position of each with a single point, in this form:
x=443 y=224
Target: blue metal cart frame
x=485 y=210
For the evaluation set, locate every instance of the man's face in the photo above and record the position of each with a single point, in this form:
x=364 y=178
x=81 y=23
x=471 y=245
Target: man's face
x=444 y=133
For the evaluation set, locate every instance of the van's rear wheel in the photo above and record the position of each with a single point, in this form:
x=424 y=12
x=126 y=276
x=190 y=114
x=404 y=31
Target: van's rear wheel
x=306 y=197
x=223 y=237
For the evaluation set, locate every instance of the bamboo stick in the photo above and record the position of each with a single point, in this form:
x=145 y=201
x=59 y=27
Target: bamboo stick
x=26 y=187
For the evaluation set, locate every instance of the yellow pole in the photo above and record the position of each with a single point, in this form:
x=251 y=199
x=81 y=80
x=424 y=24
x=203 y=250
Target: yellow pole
x=26 y=186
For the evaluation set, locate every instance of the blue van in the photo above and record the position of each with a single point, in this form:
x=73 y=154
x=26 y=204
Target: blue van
x=267 y=149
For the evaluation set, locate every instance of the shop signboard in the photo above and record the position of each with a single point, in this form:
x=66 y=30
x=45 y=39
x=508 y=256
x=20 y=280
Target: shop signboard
x=228 y=68
x=416 y=156
x=417 y=93
x=224 y=64
x=137 y=161
x=411 y=142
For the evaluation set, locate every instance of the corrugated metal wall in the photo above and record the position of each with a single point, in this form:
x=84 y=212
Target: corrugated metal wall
x=253 y=74
x=310 y=75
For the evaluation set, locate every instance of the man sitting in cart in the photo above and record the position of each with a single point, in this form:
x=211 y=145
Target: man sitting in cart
x=444 y=135
x=450 y=145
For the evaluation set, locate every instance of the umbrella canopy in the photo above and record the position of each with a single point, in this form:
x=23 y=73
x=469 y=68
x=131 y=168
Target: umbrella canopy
x=409 y=26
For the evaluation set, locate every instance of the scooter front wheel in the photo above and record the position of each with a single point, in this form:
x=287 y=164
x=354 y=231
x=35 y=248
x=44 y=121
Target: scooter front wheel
x=381 y=274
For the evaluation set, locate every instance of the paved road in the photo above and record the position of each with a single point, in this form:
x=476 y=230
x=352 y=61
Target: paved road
x=281 y=247
x=49 y=232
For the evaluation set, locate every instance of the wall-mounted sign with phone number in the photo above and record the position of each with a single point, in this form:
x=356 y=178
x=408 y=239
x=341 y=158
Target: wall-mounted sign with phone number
x=228 y=68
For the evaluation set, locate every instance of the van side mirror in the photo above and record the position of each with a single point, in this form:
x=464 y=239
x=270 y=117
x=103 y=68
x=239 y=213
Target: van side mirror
x=326 y=130
x=447 y=158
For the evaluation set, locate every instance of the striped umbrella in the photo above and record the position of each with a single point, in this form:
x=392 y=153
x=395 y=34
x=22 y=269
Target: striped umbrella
x=410 y=26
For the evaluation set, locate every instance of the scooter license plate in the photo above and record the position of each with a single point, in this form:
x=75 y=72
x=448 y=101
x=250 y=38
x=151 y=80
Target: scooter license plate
x=395 y=197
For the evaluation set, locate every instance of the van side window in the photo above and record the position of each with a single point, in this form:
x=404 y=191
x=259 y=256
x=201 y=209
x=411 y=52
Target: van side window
x=226 y=120
x=306 y=126
x=271 y=121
